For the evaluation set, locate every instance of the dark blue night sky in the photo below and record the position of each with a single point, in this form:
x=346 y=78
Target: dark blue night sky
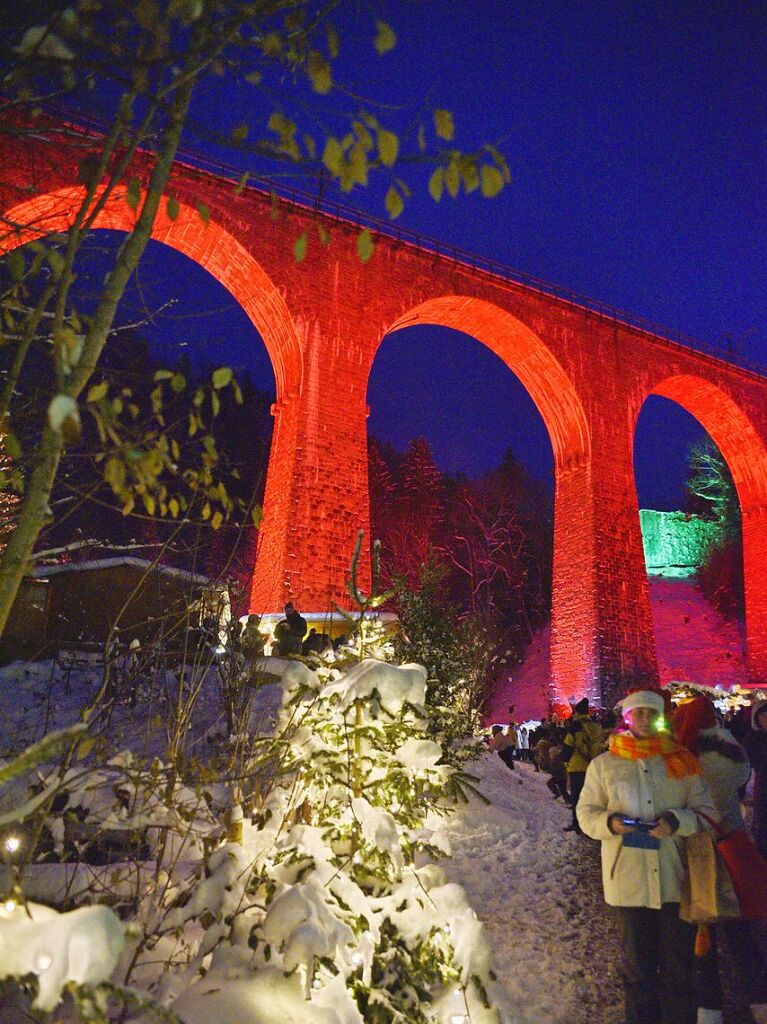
x=635 y=133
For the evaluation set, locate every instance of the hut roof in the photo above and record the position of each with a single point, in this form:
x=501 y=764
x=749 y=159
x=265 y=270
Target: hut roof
x=44 y=571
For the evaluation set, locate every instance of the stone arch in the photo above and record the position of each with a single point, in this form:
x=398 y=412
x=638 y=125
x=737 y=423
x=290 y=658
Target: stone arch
x=744 y=451
x=574 y=644
x=209 y=245
x=218 y=252
x=526 y=356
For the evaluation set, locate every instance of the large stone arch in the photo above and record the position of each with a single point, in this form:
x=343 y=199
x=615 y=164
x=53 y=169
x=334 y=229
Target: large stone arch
x=574 y=646
x=217 y=251
x=208 y=244
x=744 y=451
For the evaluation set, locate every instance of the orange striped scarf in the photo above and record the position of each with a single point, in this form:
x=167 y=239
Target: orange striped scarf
x=678 y=760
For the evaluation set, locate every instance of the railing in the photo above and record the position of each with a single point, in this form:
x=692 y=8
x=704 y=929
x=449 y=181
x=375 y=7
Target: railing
x=349 y=215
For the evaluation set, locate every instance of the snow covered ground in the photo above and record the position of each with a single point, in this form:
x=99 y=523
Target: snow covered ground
x=538 y=891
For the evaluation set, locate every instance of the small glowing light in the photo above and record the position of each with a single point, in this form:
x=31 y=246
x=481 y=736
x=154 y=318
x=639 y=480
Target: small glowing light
x=12 y=844
x=9 y=906
x=458 y=1018
x=316 y=983
x=357 y=959
x=446 y=930
x=42 y=962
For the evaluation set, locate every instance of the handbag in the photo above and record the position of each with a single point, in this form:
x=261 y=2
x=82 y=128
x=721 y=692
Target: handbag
x=708 y=894
x=747 y=869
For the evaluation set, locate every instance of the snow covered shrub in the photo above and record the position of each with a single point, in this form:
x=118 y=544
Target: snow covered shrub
x=81 y=947
x=345 y=899
x=293 y=882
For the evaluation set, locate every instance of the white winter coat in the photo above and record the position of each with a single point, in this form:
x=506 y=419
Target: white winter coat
x=640 y=789
x=724 y=777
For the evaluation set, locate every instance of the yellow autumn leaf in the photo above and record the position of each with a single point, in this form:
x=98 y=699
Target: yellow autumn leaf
x=365 y=245
x=490 y=181
x=318 y=70
x=385 y=39
x=300 y=246
x=393 y=202
x=436 y=184
x=388 y=147
x=452 y=179
x=443 y=125
x=333 y=155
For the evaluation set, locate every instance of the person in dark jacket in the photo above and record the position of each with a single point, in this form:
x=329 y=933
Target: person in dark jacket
x=290 y=631
x=749 y=727
x=726 y=772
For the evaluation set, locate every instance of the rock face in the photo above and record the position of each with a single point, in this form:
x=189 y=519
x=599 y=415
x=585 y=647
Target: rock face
x=695 y=644
x=674 y=543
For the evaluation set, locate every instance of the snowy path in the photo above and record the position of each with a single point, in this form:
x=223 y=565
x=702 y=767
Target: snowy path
x=538 y=891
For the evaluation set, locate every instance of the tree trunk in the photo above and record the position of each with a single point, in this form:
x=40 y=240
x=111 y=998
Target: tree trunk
x=15 y=557
x=33 y=515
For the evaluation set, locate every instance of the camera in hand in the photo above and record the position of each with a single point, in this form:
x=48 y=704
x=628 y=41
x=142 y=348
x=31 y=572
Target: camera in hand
x=640 y=838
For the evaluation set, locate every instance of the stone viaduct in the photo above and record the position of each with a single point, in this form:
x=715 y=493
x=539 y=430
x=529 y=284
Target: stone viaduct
x=322 y=321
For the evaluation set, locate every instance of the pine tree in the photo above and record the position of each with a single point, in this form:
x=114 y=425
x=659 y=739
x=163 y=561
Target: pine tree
x=381 y=487
x=418 y=511
x=420 y=482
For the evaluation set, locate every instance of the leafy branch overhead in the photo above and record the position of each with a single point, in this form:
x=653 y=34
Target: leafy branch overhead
x=138 y=67
x=140 y=456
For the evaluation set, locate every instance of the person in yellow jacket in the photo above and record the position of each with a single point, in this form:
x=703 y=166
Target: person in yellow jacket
x=582 y=743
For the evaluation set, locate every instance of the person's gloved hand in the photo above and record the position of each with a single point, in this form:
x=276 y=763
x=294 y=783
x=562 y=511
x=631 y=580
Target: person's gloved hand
x=617 y=826
x=667 y=825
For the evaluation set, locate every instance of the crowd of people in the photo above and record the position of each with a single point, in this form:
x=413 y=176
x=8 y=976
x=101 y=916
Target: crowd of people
x=640 y=780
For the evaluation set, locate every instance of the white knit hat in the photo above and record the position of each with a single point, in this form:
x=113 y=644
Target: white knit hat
x=643 y=699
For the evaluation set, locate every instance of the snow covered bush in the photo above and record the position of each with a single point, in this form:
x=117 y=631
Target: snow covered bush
x=338 y=902
x=82 y=947
x=313 y=900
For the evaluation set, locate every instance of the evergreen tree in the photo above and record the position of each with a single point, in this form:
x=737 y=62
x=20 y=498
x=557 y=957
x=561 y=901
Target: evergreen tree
x=418 y=511
x=420 y=482
x=381 y=489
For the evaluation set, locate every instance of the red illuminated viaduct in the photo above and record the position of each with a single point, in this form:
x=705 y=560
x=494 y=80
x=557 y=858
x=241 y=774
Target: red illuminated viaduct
x=322 y=322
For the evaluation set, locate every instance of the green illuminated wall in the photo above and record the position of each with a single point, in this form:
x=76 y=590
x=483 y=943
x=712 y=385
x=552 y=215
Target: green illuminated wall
x=674 y=543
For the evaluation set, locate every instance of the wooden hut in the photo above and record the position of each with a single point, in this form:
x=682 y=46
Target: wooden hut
x=77 y=605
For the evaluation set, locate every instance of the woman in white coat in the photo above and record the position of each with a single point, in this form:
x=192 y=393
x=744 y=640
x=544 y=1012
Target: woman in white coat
x=640 y=799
